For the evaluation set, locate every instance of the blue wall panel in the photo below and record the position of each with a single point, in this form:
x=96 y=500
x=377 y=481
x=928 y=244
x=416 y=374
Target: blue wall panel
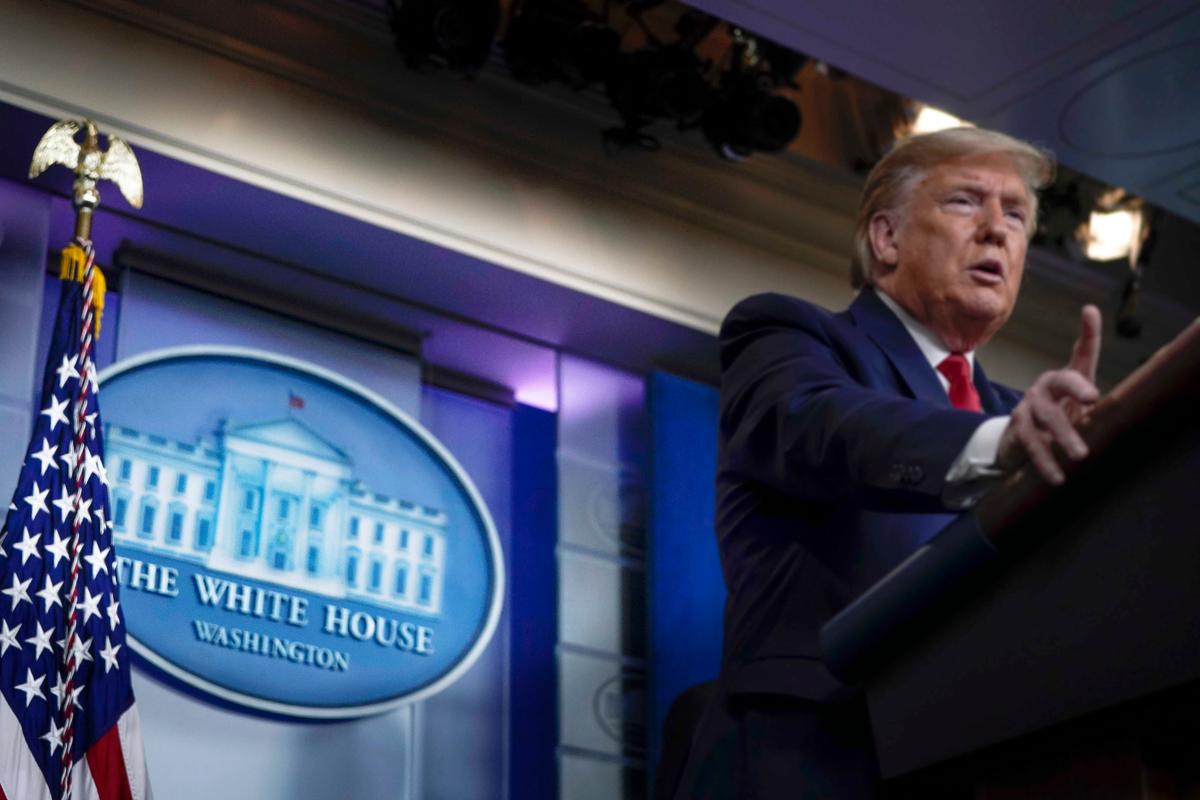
x=686 y=594
x=463 y=728
x=532 y=598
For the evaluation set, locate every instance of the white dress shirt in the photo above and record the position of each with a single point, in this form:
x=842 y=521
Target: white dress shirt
x=974 y=469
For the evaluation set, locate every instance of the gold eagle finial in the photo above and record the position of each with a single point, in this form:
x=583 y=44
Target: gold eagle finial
x=89 y=162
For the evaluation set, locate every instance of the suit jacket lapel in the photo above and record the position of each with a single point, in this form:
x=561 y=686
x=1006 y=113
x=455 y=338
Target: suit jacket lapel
x=987 y=395
x=887 y=331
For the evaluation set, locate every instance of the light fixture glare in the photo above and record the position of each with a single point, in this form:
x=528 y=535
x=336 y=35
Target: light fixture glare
x=1114 y=234
x=930 y=119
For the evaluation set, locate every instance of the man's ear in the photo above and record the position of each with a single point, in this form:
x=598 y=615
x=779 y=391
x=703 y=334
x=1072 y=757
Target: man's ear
x=883 y=233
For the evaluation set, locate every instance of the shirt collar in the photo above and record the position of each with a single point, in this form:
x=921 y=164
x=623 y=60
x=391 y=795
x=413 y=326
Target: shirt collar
x=930 y=345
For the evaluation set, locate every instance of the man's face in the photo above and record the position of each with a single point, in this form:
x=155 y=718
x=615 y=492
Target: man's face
x=954 y=257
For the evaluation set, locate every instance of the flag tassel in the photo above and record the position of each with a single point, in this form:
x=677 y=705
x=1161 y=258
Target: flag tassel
x=72 y=266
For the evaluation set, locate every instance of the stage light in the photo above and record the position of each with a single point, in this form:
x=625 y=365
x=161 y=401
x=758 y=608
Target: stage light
x=1113 y=234
x=659 y=83
x=559 y=40
x=1116 y=227
x=749 y=117
x=451 y=33
x=930 y=119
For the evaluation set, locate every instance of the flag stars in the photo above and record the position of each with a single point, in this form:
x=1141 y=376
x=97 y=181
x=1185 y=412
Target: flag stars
x=65 y=503
x=82 y=653
x=54 y=737
x=58 y=689
x=69 y=456
x=81 y=650
x=63 y=476
x=58 y=548
x=8 y=637
x=94 y=465
x=45 y=456
x=51 y=594
x=98 y=559
x=66 y=370
x=19 y=591
x=84 y=512
x=89 y=465
x=32 y=687
x=41 y=640
x=56 y=411
x=37 y=502
x=90 y=605
x=101 y=470
x=109 y=654
x=28 y=546
x=113 y=610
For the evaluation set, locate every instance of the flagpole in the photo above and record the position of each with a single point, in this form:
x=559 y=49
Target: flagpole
x=86 y=379
x=78 y=263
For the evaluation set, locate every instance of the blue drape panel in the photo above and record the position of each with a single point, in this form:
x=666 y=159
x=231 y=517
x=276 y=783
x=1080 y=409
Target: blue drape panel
x=533 y=603
x=686 y=593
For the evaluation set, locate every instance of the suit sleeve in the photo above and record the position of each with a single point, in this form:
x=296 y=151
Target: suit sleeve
x=795 y=418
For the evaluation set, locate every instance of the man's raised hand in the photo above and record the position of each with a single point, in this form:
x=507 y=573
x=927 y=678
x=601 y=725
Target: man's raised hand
x=1053 y=406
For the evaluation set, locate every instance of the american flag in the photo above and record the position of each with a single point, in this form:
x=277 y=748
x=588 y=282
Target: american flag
x=68 y=706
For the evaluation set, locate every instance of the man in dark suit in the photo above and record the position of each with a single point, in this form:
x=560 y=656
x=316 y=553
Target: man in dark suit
x=847 y=439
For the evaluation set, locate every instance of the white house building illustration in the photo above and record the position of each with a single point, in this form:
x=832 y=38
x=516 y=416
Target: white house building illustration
x=276 y=502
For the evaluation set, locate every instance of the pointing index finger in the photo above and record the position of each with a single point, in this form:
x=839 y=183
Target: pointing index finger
x=1086 y=352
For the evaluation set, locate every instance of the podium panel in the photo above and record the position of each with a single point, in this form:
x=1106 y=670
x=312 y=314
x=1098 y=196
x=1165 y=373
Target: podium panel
x=1106 y=610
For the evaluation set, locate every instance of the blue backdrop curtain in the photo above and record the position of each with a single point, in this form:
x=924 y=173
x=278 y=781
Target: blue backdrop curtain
x=686 y=593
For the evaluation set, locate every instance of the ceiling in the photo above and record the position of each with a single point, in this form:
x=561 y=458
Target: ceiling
x=1111 y=86
x=1041 y=70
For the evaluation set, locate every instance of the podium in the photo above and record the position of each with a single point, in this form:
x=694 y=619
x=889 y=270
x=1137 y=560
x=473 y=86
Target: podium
x=1048 y=644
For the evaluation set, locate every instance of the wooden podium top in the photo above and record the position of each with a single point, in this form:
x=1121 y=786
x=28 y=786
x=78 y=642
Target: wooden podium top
x=1168 y=380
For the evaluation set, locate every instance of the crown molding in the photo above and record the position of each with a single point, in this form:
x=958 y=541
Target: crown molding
x=792 y=206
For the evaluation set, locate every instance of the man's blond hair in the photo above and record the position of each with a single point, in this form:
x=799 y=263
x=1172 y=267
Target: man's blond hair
x=890 y=185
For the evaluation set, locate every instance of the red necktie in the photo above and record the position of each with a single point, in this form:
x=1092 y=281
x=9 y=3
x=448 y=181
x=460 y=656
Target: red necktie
x=957 y=370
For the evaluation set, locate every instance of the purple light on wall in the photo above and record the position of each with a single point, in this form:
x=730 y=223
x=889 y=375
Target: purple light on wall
x=538 y=395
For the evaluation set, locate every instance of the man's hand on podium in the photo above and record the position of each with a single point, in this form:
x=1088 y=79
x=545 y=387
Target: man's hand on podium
x=1052 y=407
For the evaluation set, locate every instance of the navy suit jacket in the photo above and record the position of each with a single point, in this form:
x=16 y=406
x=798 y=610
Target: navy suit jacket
x=835 y=439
